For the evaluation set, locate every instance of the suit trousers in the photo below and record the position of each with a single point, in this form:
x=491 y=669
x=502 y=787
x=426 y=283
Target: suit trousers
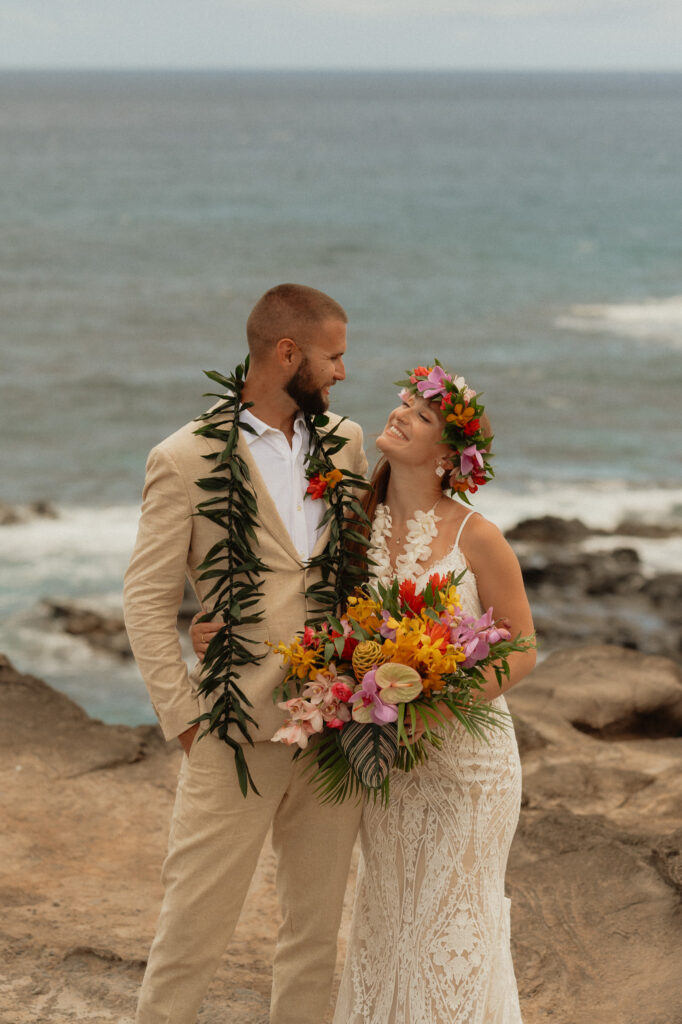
x=215 y=838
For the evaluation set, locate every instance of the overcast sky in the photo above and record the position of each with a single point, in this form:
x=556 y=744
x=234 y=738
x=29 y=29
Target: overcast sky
x=561 y=34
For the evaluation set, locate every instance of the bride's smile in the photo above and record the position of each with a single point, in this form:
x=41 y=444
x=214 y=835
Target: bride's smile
x=412 y=435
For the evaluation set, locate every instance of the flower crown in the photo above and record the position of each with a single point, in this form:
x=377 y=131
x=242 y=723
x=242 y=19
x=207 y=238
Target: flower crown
x=463 y=432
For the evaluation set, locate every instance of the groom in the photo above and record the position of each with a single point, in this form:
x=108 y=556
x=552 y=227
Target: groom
x=297 y=338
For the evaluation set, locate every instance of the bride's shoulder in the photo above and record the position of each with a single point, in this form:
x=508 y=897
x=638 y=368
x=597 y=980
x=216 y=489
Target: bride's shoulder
x=463 y=524
x=483 y=542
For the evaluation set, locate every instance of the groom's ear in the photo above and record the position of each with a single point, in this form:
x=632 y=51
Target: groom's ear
x=288 y=352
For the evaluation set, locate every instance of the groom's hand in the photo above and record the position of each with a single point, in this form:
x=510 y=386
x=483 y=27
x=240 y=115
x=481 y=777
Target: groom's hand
x=187 y=737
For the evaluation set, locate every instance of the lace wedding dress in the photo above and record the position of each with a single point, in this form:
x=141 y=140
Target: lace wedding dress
x=429 y=938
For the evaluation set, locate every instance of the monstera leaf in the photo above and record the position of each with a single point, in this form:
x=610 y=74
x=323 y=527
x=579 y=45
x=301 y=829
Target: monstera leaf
x=371 y=751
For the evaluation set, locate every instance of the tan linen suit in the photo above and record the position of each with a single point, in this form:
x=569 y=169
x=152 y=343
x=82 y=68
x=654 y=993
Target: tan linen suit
x=216 y=834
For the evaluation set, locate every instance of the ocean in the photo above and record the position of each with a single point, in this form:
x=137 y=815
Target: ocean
x=526 y=229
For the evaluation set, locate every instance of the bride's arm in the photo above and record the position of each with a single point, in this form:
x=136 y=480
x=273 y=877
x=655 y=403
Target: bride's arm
x=500 y=584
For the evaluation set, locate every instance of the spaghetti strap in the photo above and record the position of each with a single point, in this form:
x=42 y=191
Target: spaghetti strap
x=462 y=525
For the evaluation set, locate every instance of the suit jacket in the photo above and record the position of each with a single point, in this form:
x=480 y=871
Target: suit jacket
x=171 y=543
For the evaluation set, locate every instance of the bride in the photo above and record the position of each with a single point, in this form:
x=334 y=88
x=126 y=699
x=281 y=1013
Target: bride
x=429 y=938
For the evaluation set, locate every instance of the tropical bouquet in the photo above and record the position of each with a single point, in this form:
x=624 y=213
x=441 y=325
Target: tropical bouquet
x=397 y=661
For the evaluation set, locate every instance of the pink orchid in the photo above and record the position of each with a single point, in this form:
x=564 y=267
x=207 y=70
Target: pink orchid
x=303 y=711
x=385 y=630
x=434 y=385
x=320 y=690
x=336 y=712
x=371 y=708
x=317 y=690
x=294 y=732
x=469 y=458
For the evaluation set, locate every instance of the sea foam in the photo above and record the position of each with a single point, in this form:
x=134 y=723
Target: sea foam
x=84 y=552
x=654 y=320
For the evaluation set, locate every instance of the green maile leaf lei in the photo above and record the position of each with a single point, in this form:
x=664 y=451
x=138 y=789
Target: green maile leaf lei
x=236 y=572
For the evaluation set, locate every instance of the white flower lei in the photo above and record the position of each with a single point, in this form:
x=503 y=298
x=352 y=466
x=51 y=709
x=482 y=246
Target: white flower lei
x=420 y=532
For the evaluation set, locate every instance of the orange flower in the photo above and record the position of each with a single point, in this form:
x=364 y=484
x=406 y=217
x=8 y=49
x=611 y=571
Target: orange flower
x=333 y=477
x=461 y=414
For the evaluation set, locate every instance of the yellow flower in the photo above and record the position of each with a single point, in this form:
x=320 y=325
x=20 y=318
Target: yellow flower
x=435 y=662
x=302 y=662
x=404 y=649
x=366 y=612
x=333 y=477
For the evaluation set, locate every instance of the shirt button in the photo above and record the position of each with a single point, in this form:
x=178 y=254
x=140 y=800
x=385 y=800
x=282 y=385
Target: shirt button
x=298 y=508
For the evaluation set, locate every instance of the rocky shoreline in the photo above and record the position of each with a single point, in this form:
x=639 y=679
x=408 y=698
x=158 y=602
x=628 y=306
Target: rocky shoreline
x=595 y=875
x=579 y=593
x=582 y=593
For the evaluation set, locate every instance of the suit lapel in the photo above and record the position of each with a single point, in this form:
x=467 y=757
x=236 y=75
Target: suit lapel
x=322 y=539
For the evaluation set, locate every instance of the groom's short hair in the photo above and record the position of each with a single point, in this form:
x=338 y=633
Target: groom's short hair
x=289 y=311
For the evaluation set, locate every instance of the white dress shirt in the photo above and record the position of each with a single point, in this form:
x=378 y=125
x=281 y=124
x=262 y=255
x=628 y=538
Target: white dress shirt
x=282 y=467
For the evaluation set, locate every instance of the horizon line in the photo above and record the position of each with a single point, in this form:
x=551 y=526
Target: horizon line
x=253 y=69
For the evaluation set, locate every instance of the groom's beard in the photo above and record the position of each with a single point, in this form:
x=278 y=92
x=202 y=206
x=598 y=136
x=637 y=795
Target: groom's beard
x=305 y=393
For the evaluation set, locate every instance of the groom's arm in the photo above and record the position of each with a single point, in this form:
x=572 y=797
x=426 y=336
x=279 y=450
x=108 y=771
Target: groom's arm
x=356 y=450
x=153 y=591
x=361 y=463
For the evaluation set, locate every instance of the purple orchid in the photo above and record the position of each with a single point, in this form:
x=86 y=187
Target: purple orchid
x=372 y=708
x=469 y=458
x=476 y=636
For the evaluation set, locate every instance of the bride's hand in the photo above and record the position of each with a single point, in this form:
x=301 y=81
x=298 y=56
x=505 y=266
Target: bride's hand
x=418 y=730
x=201 y=634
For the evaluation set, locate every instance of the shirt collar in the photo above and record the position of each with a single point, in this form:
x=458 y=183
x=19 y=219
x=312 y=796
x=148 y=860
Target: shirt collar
x=246 y=416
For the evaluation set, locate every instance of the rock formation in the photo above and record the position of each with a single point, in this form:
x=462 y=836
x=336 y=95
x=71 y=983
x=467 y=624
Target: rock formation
x=11 y=514
x=595 y=874
x=596 y=869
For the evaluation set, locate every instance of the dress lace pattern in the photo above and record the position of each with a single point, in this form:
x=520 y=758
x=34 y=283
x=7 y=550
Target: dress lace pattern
x=429 y=940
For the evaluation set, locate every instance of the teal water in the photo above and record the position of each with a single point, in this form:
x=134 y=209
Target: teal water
x=460 y=215
x=524 y=228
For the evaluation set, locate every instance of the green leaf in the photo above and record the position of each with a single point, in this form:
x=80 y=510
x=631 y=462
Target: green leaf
x=339 y=644
x=370 y=750
x=219 y=378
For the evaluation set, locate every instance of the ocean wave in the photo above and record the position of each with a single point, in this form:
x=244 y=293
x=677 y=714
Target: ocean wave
x=81 y=551
x=657 y=320
x=600 y=505
x=84 y=551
